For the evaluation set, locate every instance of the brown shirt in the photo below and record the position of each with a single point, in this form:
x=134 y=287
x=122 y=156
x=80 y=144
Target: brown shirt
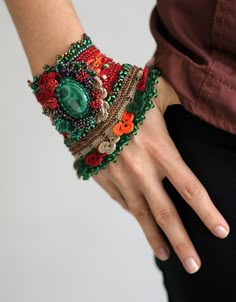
x=196 y=53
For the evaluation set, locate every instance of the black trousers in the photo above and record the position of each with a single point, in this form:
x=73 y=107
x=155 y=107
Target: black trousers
x=211 y=154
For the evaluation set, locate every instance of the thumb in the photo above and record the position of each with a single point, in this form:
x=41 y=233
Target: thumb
x=166 y=95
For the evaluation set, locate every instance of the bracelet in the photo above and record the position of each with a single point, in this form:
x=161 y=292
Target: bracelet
x=94 y=102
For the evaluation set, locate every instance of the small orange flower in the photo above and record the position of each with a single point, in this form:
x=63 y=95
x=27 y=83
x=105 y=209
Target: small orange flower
x=127 y=117
x=126 y=125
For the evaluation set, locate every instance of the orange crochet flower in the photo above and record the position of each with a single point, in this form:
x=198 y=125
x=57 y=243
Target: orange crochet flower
x=126 y=125
x=127 y=117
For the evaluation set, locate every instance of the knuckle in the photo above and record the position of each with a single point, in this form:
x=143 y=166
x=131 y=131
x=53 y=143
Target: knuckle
x=164 y=217
x=155 y=241
x=134 y=163
x=112 y=169
x=117 y=176
x=160 y=151
x=181 y=247
x=191 y=189
x=136 y=167
x=152 y=239
x=141 y=213
x=166 y=155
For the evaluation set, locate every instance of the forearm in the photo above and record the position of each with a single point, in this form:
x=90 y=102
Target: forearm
x=45 y=28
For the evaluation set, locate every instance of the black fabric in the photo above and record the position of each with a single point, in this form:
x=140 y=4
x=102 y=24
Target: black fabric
x=211 y=154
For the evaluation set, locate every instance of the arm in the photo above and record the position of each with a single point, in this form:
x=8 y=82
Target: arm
x=47 y=28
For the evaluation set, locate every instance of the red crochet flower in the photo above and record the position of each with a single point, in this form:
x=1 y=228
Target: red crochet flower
x=47 y=85
x=43 y=95
x=45 y=77
x=52 y=103
x=94 y=159
x=51 y=84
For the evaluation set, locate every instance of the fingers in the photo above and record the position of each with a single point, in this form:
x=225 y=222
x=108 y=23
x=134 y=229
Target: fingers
x=169 y=220
x=156 y=209
x=142 y=212
x=169 y=161
x=191 y=189
x=194 y=193
x=138 y=206
x=159 y=206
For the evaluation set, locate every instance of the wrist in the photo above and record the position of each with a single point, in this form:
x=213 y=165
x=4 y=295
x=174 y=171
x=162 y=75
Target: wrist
x=94 y=102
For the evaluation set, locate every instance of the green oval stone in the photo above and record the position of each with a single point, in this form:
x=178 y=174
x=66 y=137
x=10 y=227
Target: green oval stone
x=73 y=97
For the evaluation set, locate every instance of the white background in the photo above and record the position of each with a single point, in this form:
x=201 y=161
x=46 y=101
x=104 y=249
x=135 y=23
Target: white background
x=62 y=239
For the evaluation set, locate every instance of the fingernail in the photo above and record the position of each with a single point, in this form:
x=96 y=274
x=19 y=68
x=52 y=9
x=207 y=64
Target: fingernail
x=162 y=254
x=221 y=231
x=191 y=265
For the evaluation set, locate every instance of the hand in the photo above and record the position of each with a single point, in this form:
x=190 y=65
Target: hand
x=135 y=181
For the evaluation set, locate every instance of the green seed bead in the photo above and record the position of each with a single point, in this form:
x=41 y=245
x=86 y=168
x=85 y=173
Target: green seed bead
x=128 y=66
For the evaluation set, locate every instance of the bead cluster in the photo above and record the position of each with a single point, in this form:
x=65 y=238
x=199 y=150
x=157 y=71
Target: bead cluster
x=94 y=102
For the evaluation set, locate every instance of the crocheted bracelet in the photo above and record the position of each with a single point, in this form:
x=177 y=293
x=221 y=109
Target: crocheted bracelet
x=94 y=102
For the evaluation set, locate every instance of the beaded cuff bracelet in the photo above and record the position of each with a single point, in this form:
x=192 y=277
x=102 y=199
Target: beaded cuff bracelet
x=94 y=102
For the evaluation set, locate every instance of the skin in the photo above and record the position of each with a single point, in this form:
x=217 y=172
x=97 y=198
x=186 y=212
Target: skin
x=142 y=194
